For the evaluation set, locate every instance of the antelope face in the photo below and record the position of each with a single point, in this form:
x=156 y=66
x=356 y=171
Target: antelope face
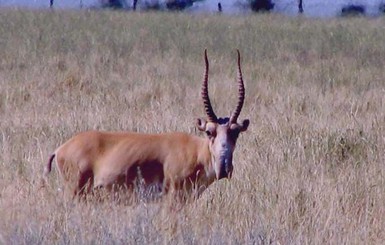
x=222 y=132
x=222 y=137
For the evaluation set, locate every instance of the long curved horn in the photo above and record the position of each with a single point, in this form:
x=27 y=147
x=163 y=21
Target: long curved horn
x=205 y=94
x=241 y=93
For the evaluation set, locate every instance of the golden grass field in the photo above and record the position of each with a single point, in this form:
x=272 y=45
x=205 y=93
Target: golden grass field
x=309 y=170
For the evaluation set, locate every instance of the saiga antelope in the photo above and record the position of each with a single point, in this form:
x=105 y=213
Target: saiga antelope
x=173 y=161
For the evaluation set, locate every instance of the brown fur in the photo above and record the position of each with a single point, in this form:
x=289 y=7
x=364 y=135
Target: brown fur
x=103 y=159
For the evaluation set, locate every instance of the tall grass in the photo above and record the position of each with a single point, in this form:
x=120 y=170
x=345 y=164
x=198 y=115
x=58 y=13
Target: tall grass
x=310 y=169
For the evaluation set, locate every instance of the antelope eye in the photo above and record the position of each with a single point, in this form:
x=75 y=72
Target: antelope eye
x=210 y=133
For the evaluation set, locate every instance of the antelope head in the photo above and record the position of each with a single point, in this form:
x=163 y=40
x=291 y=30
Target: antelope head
x=222 y=133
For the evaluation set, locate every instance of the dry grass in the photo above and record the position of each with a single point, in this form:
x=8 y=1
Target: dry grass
x=310 y=170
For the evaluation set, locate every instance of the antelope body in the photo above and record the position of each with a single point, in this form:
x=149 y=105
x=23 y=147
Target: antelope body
x=169 y=161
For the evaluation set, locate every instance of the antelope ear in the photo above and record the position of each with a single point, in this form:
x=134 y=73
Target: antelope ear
x=201 y=124
x=244 y=125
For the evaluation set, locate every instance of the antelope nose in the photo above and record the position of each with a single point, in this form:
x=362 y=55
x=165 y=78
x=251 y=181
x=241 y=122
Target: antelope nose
x=229 y=168
x=226 y=169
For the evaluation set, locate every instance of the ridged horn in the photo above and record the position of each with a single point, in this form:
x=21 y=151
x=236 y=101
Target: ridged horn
x=205 y=94
x=241 y=93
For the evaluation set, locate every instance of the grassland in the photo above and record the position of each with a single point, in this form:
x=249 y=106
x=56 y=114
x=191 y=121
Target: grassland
x=310 y=170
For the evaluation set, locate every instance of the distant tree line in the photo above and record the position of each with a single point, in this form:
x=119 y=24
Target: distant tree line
x=254 y=5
